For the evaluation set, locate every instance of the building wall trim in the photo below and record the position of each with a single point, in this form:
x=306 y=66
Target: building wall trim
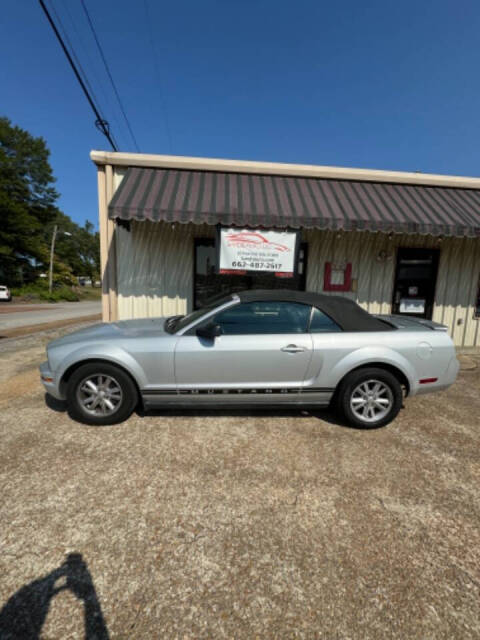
x=101 y=158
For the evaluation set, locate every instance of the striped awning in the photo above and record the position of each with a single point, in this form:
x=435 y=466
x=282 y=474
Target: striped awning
x=274 y=201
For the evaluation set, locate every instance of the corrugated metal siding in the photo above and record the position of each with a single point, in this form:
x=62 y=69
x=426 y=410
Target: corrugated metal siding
x=457 y=281
x=155 y=271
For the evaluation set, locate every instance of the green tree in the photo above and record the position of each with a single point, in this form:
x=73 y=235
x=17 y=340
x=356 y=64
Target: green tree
x=27 y=201
x=28 y=213
x=80 y=250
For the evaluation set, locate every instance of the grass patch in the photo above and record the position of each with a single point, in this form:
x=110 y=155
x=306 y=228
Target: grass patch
x=38 y=292
x=90 y=293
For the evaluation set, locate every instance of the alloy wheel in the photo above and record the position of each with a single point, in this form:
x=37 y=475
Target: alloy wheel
x=99 y=395
x=371 y=400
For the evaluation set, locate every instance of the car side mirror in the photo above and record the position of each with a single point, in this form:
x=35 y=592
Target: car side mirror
x=210 y=331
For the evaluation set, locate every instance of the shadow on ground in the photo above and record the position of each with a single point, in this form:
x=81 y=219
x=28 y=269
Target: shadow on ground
x=327 y=415
x=24 y=614
x=56 y=405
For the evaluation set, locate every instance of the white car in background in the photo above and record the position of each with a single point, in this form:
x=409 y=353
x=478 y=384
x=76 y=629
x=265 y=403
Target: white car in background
x=5 y=295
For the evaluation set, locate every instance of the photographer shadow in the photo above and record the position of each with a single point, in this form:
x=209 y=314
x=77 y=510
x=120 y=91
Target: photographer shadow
x=24 y=614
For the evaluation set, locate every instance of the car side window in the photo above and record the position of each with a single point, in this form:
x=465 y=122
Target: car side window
x=264 y=317
x=321 y=323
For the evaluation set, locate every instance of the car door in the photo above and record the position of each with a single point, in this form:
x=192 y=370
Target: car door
x=264 y=349
x=330 y=344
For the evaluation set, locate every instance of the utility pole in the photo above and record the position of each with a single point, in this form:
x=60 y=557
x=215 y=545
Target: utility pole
x=52 y=249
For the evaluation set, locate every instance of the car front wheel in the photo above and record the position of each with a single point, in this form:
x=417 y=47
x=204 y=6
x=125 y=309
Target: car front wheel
x=370 y=398
x=101 y=394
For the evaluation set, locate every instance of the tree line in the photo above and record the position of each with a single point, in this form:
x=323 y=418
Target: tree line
x=28 y=213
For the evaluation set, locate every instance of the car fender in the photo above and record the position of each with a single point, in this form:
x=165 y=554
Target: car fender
x=107 y=352
x=372 y=355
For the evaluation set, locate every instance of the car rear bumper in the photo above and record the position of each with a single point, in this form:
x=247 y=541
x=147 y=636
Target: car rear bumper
x=49 y=382
x=443 y=382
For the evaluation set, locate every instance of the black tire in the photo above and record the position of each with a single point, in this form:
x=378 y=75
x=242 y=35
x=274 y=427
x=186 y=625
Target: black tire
x=349 y=390
x=128 y=394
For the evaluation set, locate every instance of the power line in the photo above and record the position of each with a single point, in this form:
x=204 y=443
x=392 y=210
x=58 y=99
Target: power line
x=92 y=71
x=107 y=69
x=100 y=122
x=73 y=54
x=156 y=67
x=82 y=71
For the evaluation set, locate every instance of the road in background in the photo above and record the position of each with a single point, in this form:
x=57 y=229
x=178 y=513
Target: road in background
x=16 y=316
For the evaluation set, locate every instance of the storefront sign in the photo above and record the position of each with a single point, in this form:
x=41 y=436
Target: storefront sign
x=257 y=250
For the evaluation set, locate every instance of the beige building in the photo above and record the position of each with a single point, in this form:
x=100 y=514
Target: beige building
x=395 y=242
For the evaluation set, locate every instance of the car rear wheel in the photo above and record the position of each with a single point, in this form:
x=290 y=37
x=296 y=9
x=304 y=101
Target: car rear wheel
x=370 y=398
x=101 y=393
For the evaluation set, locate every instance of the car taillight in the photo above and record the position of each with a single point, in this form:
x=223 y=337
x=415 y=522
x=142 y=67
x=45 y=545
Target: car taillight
x=427 y=380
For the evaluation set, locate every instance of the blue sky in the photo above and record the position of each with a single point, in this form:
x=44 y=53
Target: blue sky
x=379 y=84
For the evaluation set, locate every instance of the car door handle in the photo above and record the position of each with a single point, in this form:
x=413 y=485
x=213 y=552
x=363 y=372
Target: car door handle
x=292 y=348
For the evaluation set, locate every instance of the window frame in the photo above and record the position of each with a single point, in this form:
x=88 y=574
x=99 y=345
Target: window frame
x=190 y=330
x=340 y=330
x=294 y=302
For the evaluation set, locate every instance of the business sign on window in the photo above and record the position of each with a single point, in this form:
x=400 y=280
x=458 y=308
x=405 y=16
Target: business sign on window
x=243 y=250
x=412 y=305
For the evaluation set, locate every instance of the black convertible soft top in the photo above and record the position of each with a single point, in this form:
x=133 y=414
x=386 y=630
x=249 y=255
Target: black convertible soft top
x=345 y=312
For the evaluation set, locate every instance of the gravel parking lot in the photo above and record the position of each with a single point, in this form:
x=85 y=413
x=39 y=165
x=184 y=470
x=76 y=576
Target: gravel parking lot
x=237 y=525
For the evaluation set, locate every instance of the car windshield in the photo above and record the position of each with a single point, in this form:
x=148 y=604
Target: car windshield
x=175 y=323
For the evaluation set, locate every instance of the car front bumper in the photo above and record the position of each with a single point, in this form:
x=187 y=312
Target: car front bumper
x=49 y=381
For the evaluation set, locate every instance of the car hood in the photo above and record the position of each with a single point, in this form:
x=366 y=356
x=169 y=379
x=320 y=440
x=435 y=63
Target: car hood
x=112 y=330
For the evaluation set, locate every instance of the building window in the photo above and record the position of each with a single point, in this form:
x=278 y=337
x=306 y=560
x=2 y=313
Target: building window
x=208 y=283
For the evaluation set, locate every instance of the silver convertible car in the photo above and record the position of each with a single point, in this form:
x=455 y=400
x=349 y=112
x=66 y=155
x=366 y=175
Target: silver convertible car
x=254 y=348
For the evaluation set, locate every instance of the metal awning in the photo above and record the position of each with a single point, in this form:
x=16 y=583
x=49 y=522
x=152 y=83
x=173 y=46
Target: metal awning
x=245 y=199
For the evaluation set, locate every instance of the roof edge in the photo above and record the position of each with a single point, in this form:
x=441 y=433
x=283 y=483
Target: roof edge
x=280 y=169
